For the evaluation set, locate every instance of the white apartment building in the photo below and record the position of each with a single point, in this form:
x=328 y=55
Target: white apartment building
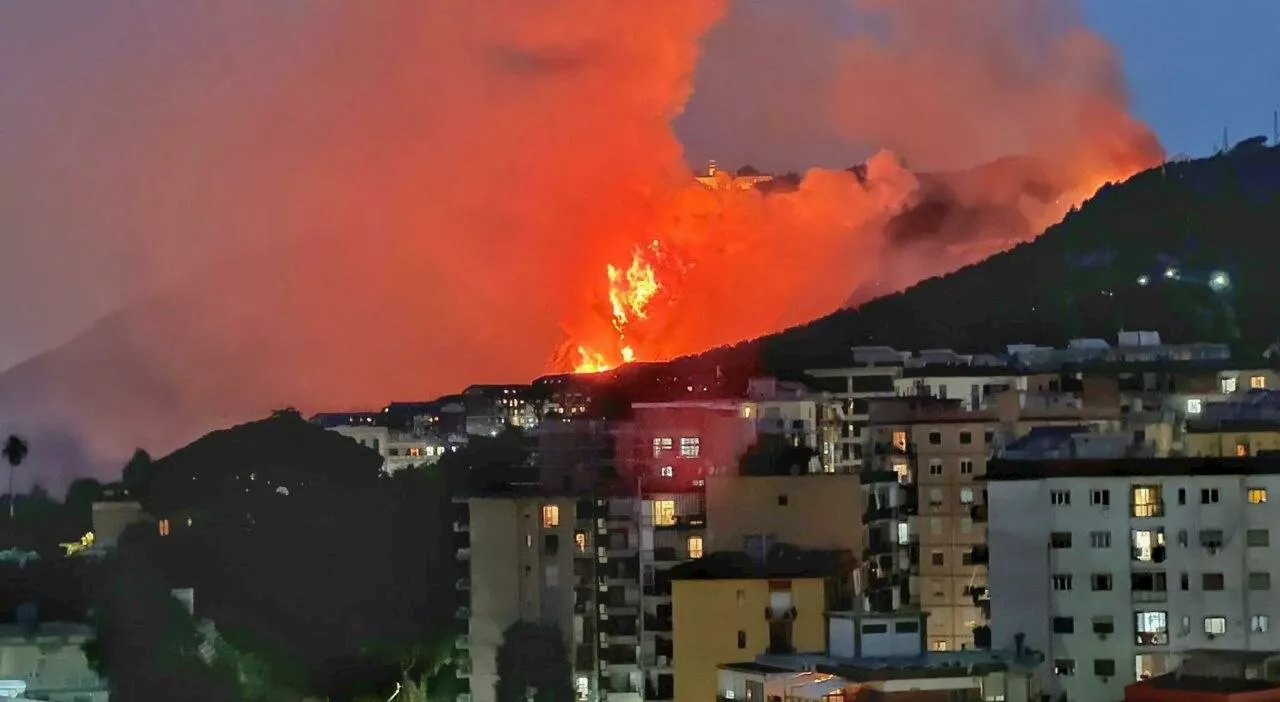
x=399 y=450
x=1116 y=569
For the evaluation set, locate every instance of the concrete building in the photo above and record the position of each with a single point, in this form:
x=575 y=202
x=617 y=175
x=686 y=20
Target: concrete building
x=49 y=659
x=399 y=450
x=112 y=517
x=676 y=446
x=752 y=513
x=729 y=606
x=1118 y=569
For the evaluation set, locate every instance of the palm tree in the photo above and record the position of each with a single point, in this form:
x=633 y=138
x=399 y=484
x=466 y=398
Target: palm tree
x=14 y=451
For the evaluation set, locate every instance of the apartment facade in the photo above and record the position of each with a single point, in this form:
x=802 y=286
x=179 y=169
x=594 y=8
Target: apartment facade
x=1118 y=569
x=817 y=511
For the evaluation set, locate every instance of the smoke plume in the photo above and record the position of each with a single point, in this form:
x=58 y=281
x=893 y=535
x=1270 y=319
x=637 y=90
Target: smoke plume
x=333 y=204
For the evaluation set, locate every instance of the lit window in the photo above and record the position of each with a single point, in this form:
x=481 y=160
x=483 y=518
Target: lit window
x=1242 y=450
x=1146 y=501
x=1151 y=628
x=1228 y=385
x=660 y=445
x=1194 y=405
x=667 y=472
x=580 y=541
x=695 y=547
x=550 y=515
x=900 y=440
x=1215 y=626
x=746 y=411
x=664 y=512
x=966 y=496
x=415 y=452
x=690 y=447
x=164 y=527
x=1257 y=496
x=1145 y=542
x=1260 y=623
x=1258 y=382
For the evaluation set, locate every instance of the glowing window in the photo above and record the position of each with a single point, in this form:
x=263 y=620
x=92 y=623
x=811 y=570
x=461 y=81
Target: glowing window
x=900 y=440
x=1258 y=382
x=667 y=472
x=664 y=512
x=1194 y=405
x=1242 y=450
x=1146 y=501
x=690 y=446
x=1257 y=496
x=695 y=547
x=580 y=541
x=1228 y=386
x=164 y=527
x=660 y=445
x=550 y=515
x=415 y=452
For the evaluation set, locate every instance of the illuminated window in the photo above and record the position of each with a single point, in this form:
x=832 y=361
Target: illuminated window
x=660 y=445
x=1146 y=501
x=664 y=512
x=550 y=515
x=1228 y=386
x=1215 y=626
x=580 y=541
x=695 y=547
x=1258 y=382
x=1257 y=496
x=746 y=411
x=164 y=527
x=415 y=452
x=1242 y=450
x=1194 y=405
x=667 y=472
x=690 y=446
x=900 y=440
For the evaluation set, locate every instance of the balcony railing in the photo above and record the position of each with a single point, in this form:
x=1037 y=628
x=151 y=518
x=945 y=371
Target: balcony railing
x=654 y=623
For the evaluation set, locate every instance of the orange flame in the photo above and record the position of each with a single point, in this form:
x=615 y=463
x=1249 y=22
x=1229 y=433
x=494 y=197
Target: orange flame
x=630 y=293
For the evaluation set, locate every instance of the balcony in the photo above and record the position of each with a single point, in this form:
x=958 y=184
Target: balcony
x=887 y=448
x=665 y=555
x=460 y=527
x=657 y=624
x=780 y=614
x=464 y=554
x=978 y=555
x=875 y=514
x=978 y=513
x=870 y=477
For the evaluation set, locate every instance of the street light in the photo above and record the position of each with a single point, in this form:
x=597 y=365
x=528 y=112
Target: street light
x=1144 y=280
x=1219 y=281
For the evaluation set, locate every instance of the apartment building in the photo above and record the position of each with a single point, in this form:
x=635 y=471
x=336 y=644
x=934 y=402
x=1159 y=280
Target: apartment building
x=815 y=511
x=731 y=606
x=47 y=660
x=1117 y=570
x=852 y=388
x=399 y=449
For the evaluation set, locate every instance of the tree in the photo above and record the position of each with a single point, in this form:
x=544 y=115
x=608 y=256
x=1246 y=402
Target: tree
x=533 y=657
x=78 y=503
x=137 y=473
x=773 y=454
x=748 y=170
x=15 y=451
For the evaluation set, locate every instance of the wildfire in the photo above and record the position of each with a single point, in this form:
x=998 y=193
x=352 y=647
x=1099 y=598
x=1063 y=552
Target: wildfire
x=630 y=293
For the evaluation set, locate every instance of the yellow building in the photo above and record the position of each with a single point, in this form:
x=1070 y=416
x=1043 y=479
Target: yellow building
x=1232 y=438
x=728 y=608
x=815 y=510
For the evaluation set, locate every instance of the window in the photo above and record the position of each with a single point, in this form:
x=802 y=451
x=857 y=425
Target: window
x=664 y=512
x=1148 y=545
x=966 y=467
x=1182 y=496
x=1257 y=382
x=660 y=445
x=1194 y=405
x=1101 y=582
x=1228 y=385
x=1060 y=497
x=935 y=438
x=1100 y=497
x=937 y=558
x=783 y=500
x=1064 y=625
x=695 y=547
x=1257 y=537
x=935 y=466
x=1151 y=628
x=1184 y=581
x=1064 y=666
x=1146 y=501
x=1242 y=450
x=966 y=437
x=1257 y=496
x=1149 y=586
x=667 y=471
x=1062 y=582
x=550 y=516
x=1209 y=496
x=1215 y=626
x=1060 y=539
x=580 y=541
x=966 y=496
x=164 y=527
x=989 y=436
x=1259 y=623
x=906 y=626
x=875 y=628
x=1212 y=581
x=1259 y=581
x=742 y=639
x=690 y=446
x=1100 y=539
x=899 y=440
x=1104 y=667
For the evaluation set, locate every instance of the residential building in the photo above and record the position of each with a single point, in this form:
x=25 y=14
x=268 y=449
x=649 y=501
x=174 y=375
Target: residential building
x=880 y=657
x=490 y=409
x=729 y=606
x=1213 y=676
x=49 y=659
x=111 y=517
x=676 y=446
x=1119 y=569
x=816 y=511
x=399 y=449
x=873 y=376
x=518 y=566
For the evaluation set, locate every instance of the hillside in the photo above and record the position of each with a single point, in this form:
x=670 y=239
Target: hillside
x=1081 y=278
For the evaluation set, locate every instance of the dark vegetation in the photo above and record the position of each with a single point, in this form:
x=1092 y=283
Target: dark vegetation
x=533 y=665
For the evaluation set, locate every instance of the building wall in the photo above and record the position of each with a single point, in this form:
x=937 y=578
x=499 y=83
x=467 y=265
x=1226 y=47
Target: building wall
x=709 y=615
x=719 y=431
x=811 y=511
x=520 y=569
x=110 y=519
x=1229 y=443
x=51 y=662
x=1025 y=517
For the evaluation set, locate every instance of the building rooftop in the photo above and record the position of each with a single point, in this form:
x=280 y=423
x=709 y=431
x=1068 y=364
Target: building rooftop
x=1198 y=683
x=782 y=561
x=932 y=664
x=1002 y=469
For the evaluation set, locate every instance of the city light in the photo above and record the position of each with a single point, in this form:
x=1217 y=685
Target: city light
x=1219 y=281
x=1143 y=280
x=1172 y=273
